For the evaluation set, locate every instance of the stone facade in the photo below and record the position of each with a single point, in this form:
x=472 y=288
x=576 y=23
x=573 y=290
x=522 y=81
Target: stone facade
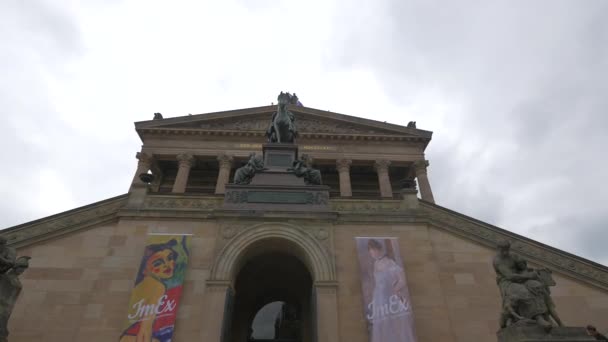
x=84 y=261
x=78 y=285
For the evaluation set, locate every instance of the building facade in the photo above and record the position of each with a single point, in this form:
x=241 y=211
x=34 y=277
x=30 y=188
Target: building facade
x=84 y=261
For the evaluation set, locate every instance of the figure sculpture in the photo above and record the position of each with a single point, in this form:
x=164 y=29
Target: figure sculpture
x=10 y=286
x=525 y=291
x=301 y=168
x=243 y=175
x=282 y=128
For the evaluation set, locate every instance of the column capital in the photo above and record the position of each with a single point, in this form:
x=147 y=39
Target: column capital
x=185 y=160
x=225 y=161
x=382 y=165
x=144 y=157
x=343 y=164
x=421 y=165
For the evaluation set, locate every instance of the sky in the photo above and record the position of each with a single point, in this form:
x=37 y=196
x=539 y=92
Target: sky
x=514 y=91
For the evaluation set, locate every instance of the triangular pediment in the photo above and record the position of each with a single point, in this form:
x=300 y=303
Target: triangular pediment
x=308 y=121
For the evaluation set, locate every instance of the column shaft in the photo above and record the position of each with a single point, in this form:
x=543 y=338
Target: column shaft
x=423 y=181
x=384 y=181
x=343 y=166
x=223 y=176
x=185 y=161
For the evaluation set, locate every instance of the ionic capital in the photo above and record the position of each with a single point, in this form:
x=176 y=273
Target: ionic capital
x=225 y=161
x=381 y=165
x=185 y=160
x=343 y=165
x=420 y=166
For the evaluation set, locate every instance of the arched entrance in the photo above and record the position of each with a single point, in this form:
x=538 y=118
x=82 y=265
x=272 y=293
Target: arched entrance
x=272 y=300
x=298 y=255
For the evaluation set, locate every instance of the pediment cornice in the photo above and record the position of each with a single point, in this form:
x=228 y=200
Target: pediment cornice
x=534 y=251
x=311 y=123
x=64 y=223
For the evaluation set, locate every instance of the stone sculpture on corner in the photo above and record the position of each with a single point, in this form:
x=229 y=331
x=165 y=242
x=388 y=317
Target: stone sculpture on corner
x=526 y=298
x=11 y=268
x=301 y=168
x=244 y=174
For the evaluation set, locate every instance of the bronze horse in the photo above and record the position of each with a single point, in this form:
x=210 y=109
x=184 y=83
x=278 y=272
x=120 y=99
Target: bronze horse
x=282 y=128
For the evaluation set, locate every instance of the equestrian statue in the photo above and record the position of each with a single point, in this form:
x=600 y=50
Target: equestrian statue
x=282 y=128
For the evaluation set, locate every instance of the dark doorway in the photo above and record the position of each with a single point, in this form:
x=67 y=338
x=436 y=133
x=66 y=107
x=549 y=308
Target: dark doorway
x=272 y=300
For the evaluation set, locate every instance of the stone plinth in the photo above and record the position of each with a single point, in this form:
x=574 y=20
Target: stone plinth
x=277 y=197
x=276 y=187
x=534 y=333
x=279 y=157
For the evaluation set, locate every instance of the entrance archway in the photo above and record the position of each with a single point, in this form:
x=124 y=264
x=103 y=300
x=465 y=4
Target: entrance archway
x=285 y=240
x=272 y=300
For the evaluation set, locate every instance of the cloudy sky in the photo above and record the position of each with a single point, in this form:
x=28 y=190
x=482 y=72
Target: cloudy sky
x=515 y=92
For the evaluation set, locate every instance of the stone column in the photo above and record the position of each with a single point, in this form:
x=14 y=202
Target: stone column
x=423 y=181
x=223 y=176
x=327 y=313
x=384 y=181
x=185 y=162
x=143 y=165
x=343 y=166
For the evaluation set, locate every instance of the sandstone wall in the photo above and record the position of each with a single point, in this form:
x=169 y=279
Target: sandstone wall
x=452 y=285
x=78 y=286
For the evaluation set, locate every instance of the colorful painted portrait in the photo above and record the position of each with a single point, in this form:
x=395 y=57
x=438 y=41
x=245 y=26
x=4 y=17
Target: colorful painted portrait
x=386 y=299
x=158 y=287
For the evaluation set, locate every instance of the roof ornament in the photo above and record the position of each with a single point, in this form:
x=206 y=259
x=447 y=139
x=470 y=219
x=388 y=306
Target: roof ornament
x=158 y=116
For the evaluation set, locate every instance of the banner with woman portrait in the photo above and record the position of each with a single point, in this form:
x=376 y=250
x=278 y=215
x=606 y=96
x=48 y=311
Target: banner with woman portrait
x=158 y=287
x=386 y=299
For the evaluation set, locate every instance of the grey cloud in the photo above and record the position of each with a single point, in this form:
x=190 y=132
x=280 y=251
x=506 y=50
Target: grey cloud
x=530 y=78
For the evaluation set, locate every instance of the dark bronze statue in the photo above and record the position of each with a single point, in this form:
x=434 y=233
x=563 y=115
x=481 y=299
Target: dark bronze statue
x=525 y=291
x=301 y=168
x=243 y=175
x=10 y=286
x=282 y=128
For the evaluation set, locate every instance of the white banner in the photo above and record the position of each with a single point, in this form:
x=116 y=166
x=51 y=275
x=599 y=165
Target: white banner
x=386 y=299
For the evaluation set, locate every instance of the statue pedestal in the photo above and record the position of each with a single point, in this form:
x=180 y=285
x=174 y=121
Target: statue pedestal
x=279 y=157
x=276 y=188
x=534 y=333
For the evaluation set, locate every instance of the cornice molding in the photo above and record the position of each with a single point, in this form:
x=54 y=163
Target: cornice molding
x=489 y=235
x=345 y=211
x=63 y=223
x=160 y=131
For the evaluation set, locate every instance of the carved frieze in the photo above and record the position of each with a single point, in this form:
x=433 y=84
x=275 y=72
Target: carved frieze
x=182 y=203
x=68 y=221
x=304 y=125
x=366 y=206
x=490 y=235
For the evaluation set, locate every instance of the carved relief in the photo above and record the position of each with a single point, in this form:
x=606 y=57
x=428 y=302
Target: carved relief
x=182 y=203
x=321 y=233
x=367 y=206
x=236 y=197
x=228 y=232
x=304 y=124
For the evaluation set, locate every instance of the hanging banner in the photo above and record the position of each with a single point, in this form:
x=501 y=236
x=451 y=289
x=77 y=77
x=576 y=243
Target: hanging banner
x=158 y=286
x=386 y=299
